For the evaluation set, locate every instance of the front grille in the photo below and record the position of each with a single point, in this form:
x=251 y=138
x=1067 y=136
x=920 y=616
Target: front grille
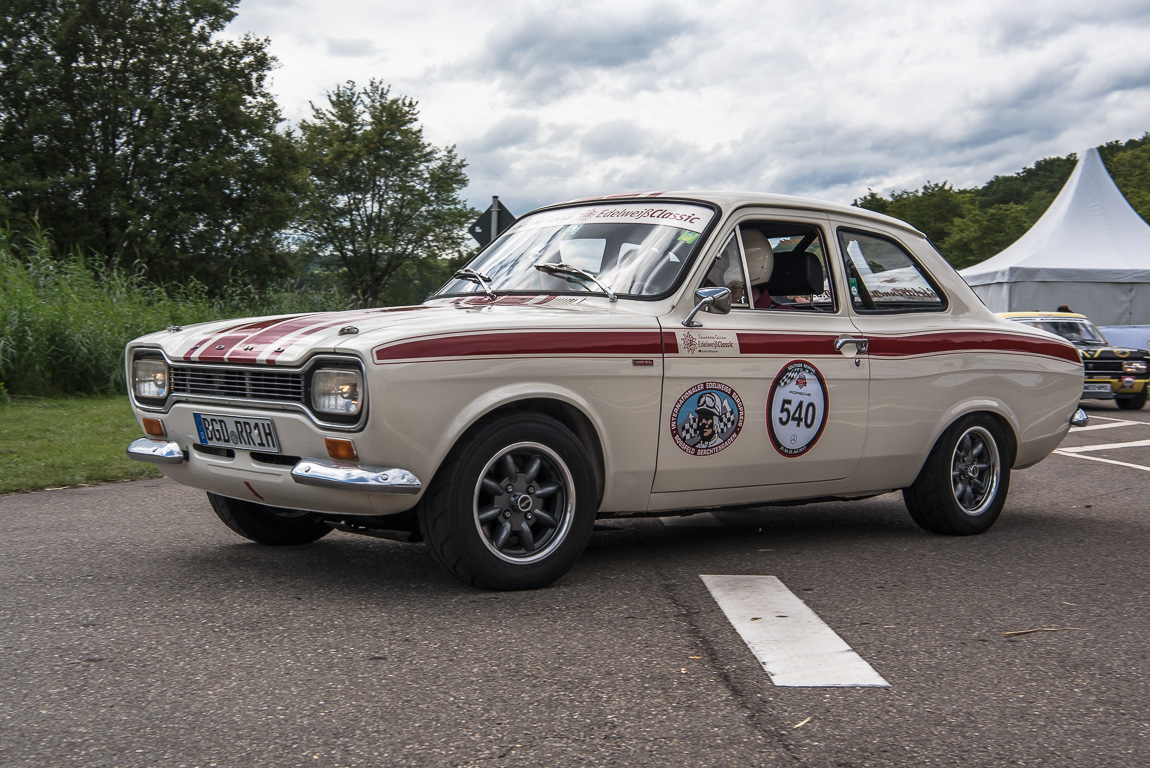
x=238 y=383
x=1103 y=367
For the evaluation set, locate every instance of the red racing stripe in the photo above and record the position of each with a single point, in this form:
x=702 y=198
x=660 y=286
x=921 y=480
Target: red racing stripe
x=233 y=347
x=968 y=341
x=231 y=336
x=531 y=343
x=786 y=343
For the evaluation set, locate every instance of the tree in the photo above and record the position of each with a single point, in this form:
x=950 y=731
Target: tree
x=1131 y=172
x=382 y=201
x=130 y=133
x=983 y=233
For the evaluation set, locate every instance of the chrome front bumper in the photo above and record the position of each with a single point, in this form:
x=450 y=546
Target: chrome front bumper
x=327 y=473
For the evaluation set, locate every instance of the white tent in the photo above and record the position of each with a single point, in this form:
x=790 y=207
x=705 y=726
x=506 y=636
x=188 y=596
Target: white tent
x=1090 y=251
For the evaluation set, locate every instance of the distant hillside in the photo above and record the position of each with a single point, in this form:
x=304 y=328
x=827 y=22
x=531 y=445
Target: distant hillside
x=971 y=225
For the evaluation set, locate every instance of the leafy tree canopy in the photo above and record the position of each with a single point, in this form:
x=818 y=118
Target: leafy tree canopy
x=383 y=208
x=131 y=134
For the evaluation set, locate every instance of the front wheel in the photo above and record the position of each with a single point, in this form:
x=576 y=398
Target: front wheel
x=1131 y=402
x=962 y=487
x=264 y=524
x=513 y=505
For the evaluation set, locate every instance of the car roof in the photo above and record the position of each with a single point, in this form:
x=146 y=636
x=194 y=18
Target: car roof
x=730 y=200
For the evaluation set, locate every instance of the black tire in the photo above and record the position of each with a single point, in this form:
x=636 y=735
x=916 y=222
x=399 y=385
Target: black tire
x=262 y=524
x=1131 y=402
x=962 y=487
x=513 y=505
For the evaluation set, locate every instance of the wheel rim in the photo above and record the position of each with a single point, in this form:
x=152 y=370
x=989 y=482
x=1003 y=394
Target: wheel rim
x=524 y=502
x=974 y=471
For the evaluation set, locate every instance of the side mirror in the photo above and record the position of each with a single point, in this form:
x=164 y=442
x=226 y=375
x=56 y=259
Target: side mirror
x=716 y=300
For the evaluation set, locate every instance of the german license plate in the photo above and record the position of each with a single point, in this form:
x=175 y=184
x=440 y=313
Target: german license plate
x=1102 y=387
x=237 y=432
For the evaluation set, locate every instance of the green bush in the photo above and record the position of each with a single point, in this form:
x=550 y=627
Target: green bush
x=64 y=321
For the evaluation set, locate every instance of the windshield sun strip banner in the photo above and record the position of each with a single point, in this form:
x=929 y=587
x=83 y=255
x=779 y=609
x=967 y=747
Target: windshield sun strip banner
x=694 y=218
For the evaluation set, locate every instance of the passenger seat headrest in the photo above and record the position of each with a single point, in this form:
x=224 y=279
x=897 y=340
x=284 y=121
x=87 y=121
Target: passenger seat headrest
x=796 y=274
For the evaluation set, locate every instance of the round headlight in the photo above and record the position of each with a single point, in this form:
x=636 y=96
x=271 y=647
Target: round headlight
x=150 y=378
x=337 y=391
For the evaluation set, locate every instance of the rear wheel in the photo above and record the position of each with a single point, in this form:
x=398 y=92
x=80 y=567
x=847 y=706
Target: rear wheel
x=962 y=487
x=513 y=505
x=1131 y=402
x=263 y=524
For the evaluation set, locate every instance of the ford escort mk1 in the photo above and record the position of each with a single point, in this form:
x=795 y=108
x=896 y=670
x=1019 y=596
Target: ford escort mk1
x=635 y=355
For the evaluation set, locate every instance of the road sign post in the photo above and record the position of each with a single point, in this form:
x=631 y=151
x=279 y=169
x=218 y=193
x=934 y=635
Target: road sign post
x=491 y=223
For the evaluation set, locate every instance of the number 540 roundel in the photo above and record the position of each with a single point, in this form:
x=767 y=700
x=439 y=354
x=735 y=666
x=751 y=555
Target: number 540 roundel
x=630 y=355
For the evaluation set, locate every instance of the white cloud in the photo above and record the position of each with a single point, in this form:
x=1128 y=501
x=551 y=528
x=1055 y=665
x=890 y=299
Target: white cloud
x=824 y=99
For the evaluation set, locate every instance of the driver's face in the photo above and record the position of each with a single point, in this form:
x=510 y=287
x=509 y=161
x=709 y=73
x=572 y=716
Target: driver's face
x=706 y=425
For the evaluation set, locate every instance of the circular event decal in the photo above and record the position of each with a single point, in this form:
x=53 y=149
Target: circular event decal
x=707 y=418
x=797 y=408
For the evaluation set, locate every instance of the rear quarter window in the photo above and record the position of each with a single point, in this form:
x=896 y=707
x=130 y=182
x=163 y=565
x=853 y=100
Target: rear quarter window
x=884 y=277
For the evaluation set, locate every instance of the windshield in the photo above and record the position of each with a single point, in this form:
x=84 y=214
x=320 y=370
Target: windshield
x=1071 y=329
x=629 y=249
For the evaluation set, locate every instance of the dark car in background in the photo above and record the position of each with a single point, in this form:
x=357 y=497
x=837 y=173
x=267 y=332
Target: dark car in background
x=1112 y=373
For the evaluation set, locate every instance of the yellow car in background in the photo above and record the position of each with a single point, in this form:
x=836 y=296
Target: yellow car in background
x=1112 y=373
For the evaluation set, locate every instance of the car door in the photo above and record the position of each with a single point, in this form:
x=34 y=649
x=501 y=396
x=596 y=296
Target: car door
x=918 y=359
x=770 y=394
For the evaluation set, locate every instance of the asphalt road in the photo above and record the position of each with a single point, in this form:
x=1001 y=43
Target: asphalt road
x=136 y=630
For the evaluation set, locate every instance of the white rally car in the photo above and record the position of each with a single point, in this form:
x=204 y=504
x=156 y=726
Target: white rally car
x=634 y=355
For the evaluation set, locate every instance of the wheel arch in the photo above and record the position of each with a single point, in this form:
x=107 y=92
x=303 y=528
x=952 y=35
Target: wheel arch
x=563 y=411
x=999 y=414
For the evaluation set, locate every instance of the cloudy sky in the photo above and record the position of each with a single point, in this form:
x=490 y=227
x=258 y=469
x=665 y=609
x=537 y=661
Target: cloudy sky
x=549 y=101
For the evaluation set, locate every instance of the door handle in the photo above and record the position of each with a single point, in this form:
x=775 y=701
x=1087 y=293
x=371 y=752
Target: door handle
x=860 y=344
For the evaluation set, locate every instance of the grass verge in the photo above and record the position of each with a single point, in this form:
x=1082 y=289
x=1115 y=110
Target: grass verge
x=69 y=442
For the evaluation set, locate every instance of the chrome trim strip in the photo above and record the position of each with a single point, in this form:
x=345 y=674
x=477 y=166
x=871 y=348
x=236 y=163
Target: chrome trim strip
x=155 y=451
x=356 y=477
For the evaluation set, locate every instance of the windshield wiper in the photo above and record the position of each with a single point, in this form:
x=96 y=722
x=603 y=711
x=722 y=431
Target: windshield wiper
x=467 y=273
x=567 y=270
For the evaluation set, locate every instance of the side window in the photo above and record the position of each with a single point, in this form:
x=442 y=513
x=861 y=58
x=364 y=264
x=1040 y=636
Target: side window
x=884 y=277
x=775 y=265
x=787 y=266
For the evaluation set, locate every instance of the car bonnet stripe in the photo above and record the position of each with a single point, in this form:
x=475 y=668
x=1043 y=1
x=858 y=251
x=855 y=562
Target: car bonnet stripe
x=264 y=338
x=230 y=336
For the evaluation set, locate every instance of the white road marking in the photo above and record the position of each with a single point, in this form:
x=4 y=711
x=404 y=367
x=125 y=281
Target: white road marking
x=1115 y=423
x=795 y=646
x=1104 y=461
x=703 y=519
x=1104 y=447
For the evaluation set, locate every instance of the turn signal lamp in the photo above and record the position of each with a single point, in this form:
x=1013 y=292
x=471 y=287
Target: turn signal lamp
x=154 y=428
x=341 y=449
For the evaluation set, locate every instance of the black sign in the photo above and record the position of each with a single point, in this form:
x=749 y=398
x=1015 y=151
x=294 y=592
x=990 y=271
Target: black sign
x=493 y=221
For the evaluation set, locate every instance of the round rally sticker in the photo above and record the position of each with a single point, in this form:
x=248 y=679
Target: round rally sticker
x=707 y=418
x=797 y=408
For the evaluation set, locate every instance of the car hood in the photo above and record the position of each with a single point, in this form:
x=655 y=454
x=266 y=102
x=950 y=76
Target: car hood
x=288 y=340
x=1099 y=352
